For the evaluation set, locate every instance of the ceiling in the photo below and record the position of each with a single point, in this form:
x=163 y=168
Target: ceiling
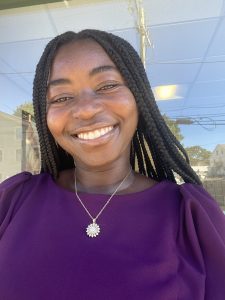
x=189 y=52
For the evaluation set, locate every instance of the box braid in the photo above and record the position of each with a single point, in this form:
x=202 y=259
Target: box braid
x=158 y=153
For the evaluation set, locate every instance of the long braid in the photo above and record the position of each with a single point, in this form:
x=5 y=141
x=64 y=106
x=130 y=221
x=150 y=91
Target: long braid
x=139 y=155
x=172 y=153
x=148 y=165
x=132 y=156
x=153 y=139
x=159 y=121
x=39 y=93
x=50 y=152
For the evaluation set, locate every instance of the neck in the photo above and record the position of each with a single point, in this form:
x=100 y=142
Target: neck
x=104 y=181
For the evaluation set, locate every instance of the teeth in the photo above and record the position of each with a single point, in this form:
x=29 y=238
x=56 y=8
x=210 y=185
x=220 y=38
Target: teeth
x=94 y=134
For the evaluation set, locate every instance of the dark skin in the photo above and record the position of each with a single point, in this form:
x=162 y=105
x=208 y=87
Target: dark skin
x=92 y=114
x=134 y=183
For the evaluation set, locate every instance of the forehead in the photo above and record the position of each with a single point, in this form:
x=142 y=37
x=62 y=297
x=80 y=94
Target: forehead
x=80 y=54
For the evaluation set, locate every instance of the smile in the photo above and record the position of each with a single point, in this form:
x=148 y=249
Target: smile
x=91 y=135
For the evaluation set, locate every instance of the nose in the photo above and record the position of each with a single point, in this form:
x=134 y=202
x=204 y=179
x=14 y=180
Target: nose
x=86 y=106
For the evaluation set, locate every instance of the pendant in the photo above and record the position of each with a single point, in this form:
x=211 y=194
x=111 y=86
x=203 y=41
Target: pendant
x=93 y=229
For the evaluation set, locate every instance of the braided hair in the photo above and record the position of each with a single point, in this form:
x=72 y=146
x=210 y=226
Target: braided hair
x=154 y=150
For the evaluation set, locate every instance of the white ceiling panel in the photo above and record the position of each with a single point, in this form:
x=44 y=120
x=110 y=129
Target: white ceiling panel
x=14 y=91
x=208 y=89
x=218 y=45
x=167 y=11
x=18 y=82
x=25 y=24
x=220 y=58
x=4 y=67
x=109 y=15
x=131 y=35
x=203 y=106
x=181 y=41
x=22 y=56
x=164 y=74
x=212 y=71
x=29 y=79
x=170 y=106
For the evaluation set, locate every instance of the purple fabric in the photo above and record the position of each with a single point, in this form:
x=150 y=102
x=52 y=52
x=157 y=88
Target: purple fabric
x=164 y=243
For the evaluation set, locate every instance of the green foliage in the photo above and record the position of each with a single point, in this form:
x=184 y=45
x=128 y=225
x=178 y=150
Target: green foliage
x=26 y=106
x=174 y=127
x=198 y=156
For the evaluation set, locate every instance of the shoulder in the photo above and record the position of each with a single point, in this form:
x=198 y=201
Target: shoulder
x=15 y=180
x=193 y=198
x=192 y=201
x=194 y=195
x=202 y=225
x=13 y=192
x=13 y=185
x=10 y=189
x=201 y=217
x=189 y=194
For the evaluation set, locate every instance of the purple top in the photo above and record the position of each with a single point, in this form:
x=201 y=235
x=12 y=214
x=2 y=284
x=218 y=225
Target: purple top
x=164 y=243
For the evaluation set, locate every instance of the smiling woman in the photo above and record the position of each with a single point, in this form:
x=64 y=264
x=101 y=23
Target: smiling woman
x=90 y=109
x=107 y=156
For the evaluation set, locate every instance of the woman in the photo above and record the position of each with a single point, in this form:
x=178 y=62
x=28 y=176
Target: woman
x=89 y=226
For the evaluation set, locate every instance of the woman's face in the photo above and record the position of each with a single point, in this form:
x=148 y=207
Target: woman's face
x=91 y=112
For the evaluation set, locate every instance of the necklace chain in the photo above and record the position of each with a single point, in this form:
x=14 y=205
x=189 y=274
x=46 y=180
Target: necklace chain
x=94 y=229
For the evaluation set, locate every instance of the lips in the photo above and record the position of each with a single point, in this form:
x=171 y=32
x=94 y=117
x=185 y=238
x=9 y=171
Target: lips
x=94 y=134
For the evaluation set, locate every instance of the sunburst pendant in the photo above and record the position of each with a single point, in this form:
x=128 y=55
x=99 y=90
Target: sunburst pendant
x=93 y=229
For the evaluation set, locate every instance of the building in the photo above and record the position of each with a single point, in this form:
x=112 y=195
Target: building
x=214 y=182
x=19 y=149
x=217 y=162
x=201 y=171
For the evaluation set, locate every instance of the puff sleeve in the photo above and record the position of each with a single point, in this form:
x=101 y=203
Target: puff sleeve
x=202 y=225
x=11 y=198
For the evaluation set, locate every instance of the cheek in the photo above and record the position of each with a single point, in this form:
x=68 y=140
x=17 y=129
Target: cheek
x=127 y=105
x=132 y=111
x=54 y=122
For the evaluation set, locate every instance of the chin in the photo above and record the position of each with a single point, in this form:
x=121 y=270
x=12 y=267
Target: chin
x=98 y=162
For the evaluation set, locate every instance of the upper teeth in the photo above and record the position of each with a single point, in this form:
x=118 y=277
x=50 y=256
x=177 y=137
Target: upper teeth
x=90 y=135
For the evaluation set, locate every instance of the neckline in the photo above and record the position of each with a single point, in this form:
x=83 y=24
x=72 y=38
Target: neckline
x=103 y=196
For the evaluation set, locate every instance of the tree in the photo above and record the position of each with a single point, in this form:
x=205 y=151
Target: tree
x=174 y=127
x=26 y=106
x=198 y=156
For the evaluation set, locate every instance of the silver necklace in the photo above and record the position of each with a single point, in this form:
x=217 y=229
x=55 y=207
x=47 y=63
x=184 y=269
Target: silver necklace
x=93 y=229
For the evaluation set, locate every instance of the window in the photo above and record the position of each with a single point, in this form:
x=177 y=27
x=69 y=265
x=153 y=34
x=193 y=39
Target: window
x=18 y=155
x=19 y=133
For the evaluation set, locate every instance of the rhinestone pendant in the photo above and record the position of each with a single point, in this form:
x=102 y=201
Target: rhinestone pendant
x=93 y=229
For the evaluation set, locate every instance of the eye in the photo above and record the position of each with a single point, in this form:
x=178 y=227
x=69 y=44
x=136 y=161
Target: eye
x=60 y=100
x=107 y=87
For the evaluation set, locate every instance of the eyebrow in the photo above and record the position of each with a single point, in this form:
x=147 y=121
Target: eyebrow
x=59 y=81
x=101 y=69
x=94 y=71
